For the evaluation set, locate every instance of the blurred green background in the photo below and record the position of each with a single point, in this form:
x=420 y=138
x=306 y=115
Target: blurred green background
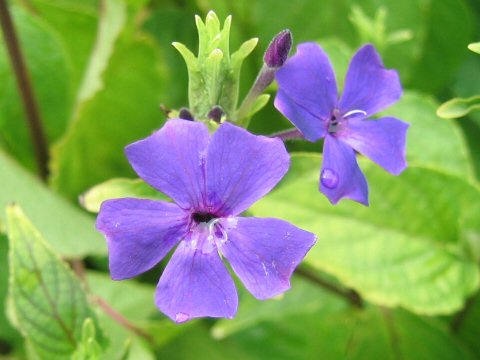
x=100 y=70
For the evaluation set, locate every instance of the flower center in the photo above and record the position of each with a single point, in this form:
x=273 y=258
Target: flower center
x=202 y=217
x=333 y=124
x=336 y=119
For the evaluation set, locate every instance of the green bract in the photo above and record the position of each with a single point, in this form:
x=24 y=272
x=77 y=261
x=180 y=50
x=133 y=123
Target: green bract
x=214 y=75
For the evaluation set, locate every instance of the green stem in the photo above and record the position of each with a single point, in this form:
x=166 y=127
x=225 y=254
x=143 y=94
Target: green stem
x=264 y=78
x=79 y=268
x=33 y=118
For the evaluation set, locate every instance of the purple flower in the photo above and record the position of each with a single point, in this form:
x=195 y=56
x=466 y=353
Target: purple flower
x=308 y=97
x=211 y=180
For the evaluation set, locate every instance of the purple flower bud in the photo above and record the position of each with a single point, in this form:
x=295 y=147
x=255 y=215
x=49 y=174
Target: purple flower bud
x=185 y=114
x=277 y=51
x=216 y=114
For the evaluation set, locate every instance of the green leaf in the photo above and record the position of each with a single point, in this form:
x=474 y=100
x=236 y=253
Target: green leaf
x=251 y=311
x=7 y=332
x=342 y=333
x=112 y=20
x=458 y=107
x=75 y=24
x=44 y=54
x=118 y=188
x=73 y=236
x=324 y=327
x=49 y=304
x=431 y=141
x=407 y=249
x=475 y=47
x=113 y=118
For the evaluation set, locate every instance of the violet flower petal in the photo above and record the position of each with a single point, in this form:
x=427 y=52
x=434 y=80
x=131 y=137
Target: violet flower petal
x=307 y=78
x=310 y=126
x=172 y=161
x=368 y=85
x=341 y=177
x=264 y=252
x=196 y=284
x=241 y=168
x=381 y=140
x=139 y=233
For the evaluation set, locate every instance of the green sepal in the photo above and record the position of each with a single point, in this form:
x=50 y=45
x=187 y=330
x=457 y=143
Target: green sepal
x=214 y=75
x=258 y=105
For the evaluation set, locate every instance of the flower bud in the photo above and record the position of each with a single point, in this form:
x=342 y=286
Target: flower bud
x=185 y=114
x=216 y=114
x=277 y=51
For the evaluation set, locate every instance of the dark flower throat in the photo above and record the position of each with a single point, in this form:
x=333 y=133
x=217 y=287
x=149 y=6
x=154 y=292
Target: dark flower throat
x=202 y=217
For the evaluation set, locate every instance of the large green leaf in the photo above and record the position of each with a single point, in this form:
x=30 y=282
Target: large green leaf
x=346 y=334
x=251 y=311
x=70 y=231
x=49 y=305
x=311 y=323
x=431 y=141
x=44 y=54
x=75 y=23
x=412 y=247
x=124 y=110
x=112 y=21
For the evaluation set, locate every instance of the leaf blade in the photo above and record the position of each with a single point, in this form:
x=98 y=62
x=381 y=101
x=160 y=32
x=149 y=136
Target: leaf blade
x=48 y=302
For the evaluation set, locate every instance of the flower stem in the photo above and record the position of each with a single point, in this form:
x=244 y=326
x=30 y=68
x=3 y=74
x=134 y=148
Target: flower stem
x=289 y=134
x=120 y=319
x=350 y=295
x=34 y=122
x=79 y=268
x=264 y=78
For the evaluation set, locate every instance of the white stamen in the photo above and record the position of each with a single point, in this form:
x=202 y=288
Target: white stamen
x=211 y=230
x=352 y=112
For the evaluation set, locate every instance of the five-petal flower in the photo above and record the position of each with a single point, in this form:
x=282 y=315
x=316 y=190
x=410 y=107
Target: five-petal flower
x=308 y=97
x=211 y=180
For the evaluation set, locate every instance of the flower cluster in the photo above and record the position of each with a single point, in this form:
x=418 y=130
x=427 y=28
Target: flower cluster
x=213 y=170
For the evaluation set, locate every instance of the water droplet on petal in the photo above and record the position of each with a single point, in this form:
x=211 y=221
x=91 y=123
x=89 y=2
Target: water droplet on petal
x=329 y=178
x=181 y=317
